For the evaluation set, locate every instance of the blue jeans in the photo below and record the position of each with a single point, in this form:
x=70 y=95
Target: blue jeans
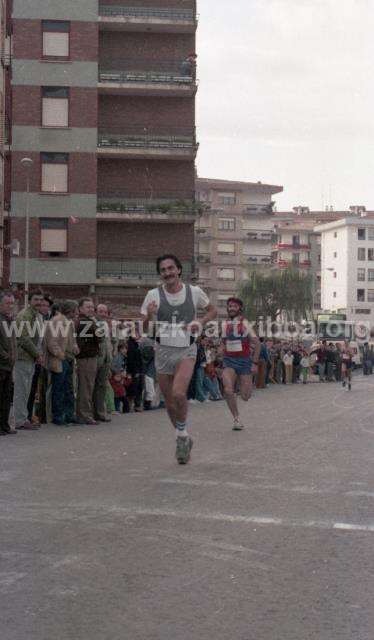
x=212 y=387
x=63 y=402
x=200 y=393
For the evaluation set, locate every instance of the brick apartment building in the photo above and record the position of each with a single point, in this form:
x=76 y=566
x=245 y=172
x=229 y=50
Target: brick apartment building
x=103 y=103
x=236 y=230
x=5 y=26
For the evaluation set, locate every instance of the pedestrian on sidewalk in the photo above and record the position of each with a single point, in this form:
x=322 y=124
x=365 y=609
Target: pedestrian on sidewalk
x=8 y=349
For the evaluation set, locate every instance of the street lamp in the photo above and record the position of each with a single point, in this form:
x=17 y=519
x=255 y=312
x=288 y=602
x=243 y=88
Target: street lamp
x=27 y=164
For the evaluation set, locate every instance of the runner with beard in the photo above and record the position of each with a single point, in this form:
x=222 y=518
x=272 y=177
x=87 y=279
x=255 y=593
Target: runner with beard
x=173 y=306
x=240 y=358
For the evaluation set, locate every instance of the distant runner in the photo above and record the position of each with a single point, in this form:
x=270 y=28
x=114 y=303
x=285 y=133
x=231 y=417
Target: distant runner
x=240 y=358
x=347 y=366
x=173 y=306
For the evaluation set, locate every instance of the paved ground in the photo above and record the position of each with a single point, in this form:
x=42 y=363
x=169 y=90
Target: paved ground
x=267 y=535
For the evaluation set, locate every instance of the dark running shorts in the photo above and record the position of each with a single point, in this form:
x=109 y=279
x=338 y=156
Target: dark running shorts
x=241 y=365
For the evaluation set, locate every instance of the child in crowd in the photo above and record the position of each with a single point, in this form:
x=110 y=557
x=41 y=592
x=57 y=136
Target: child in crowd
x=118 y=384
x=305 y=367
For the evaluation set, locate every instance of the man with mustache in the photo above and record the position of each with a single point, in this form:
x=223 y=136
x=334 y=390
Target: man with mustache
x=173 y=306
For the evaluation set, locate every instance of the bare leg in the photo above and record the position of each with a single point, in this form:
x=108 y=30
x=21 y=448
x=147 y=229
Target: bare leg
x=229 y=380
x=246 y=382
x=181 y=382
x=166 y=387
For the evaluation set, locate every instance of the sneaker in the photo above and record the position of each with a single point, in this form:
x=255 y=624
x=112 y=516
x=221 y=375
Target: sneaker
x=183 y=451
x=238 y=425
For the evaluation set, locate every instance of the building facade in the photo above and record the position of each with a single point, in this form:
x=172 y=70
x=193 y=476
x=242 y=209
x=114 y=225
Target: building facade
x=5 y=31
x=347 y=267
x=103 y=99
x=235 y=231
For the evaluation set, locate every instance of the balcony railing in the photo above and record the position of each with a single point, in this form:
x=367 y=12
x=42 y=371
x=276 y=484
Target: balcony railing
x=167 y=13
x=261 y=235
x=147 y=71
x=293 y=245
x=141 y=137
x=117 y=267
x=203 y=258
x=177 y=202
x=259 y=259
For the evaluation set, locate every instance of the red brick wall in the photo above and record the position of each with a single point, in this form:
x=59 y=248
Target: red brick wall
x=119 y=112
x=82 y=172
x=27 y=40
x=81 y=237
x=27 y=106
x=141 y=175
x=144 y=241
x=116 y=47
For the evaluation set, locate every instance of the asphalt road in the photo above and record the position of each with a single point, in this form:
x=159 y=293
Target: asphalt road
x=267 y=535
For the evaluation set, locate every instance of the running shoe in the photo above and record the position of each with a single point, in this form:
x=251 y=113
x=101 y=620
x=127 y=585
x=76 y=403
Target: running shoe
x=238 y=425
x=183 y=451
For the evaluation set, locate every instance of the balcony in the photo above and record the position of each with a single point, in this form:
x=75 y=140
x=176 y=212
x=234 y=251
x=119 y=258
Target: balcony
x=284 y=264
x=263 y=236
x=141 y=143
x=145 y=77
x=293 y=246
x=166 y=19
x=261 y=259
x=116 y=270
x=203 y=258
x=176 y=206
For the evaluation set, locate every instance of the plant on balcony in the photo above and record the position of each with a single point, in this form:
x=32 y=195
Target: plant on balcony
x=277 y=293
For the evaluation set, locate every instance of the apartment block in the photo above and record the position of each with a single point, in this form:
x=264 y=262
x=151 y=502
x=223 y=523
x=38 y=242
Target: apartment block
x=5 y=30
x=103 y=99
x=347 y=267
x=235 y=230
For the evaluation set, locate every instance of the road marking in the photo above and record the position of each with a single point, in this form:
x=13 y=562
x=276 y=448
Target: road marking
x=302 y=490
x=247 y=519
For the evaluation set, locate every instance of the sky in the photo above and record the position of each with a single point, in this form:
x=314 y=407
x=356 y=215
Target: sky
x=286 y=96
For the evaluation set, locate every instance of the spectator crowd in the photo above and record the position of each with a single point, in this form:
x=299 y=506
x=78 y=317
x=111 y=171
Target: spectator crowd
x=63 y=364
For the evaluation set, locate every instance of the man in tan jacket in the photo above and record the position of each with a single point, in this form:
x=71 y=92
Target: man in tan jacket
x=60 y=349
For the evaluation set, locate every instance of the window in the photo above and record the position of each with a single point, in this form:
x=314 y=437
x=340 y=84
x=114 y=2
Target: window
x=334 y=294
x=296 y=241
x=363 y=311
x=55 y=172
x=370 y=233
x=335 y=234
x=227 y=198
x=226 y=224
x=226 y=274
x=361 y=234
x=226 y=248
x=53 y=236
x=222 y=300
x=361 y=274
x=55 y=106
x=55 y=39
x=360 y=295
x=334 y=274
x=361 y=254
x=295 y=258
x=371 y=254
x=370 y=295
x=371 y=275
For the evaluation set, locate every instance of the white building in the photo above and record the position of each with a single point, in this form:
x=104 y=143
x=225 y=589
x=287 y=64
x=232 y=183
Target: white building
x=347 y=267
